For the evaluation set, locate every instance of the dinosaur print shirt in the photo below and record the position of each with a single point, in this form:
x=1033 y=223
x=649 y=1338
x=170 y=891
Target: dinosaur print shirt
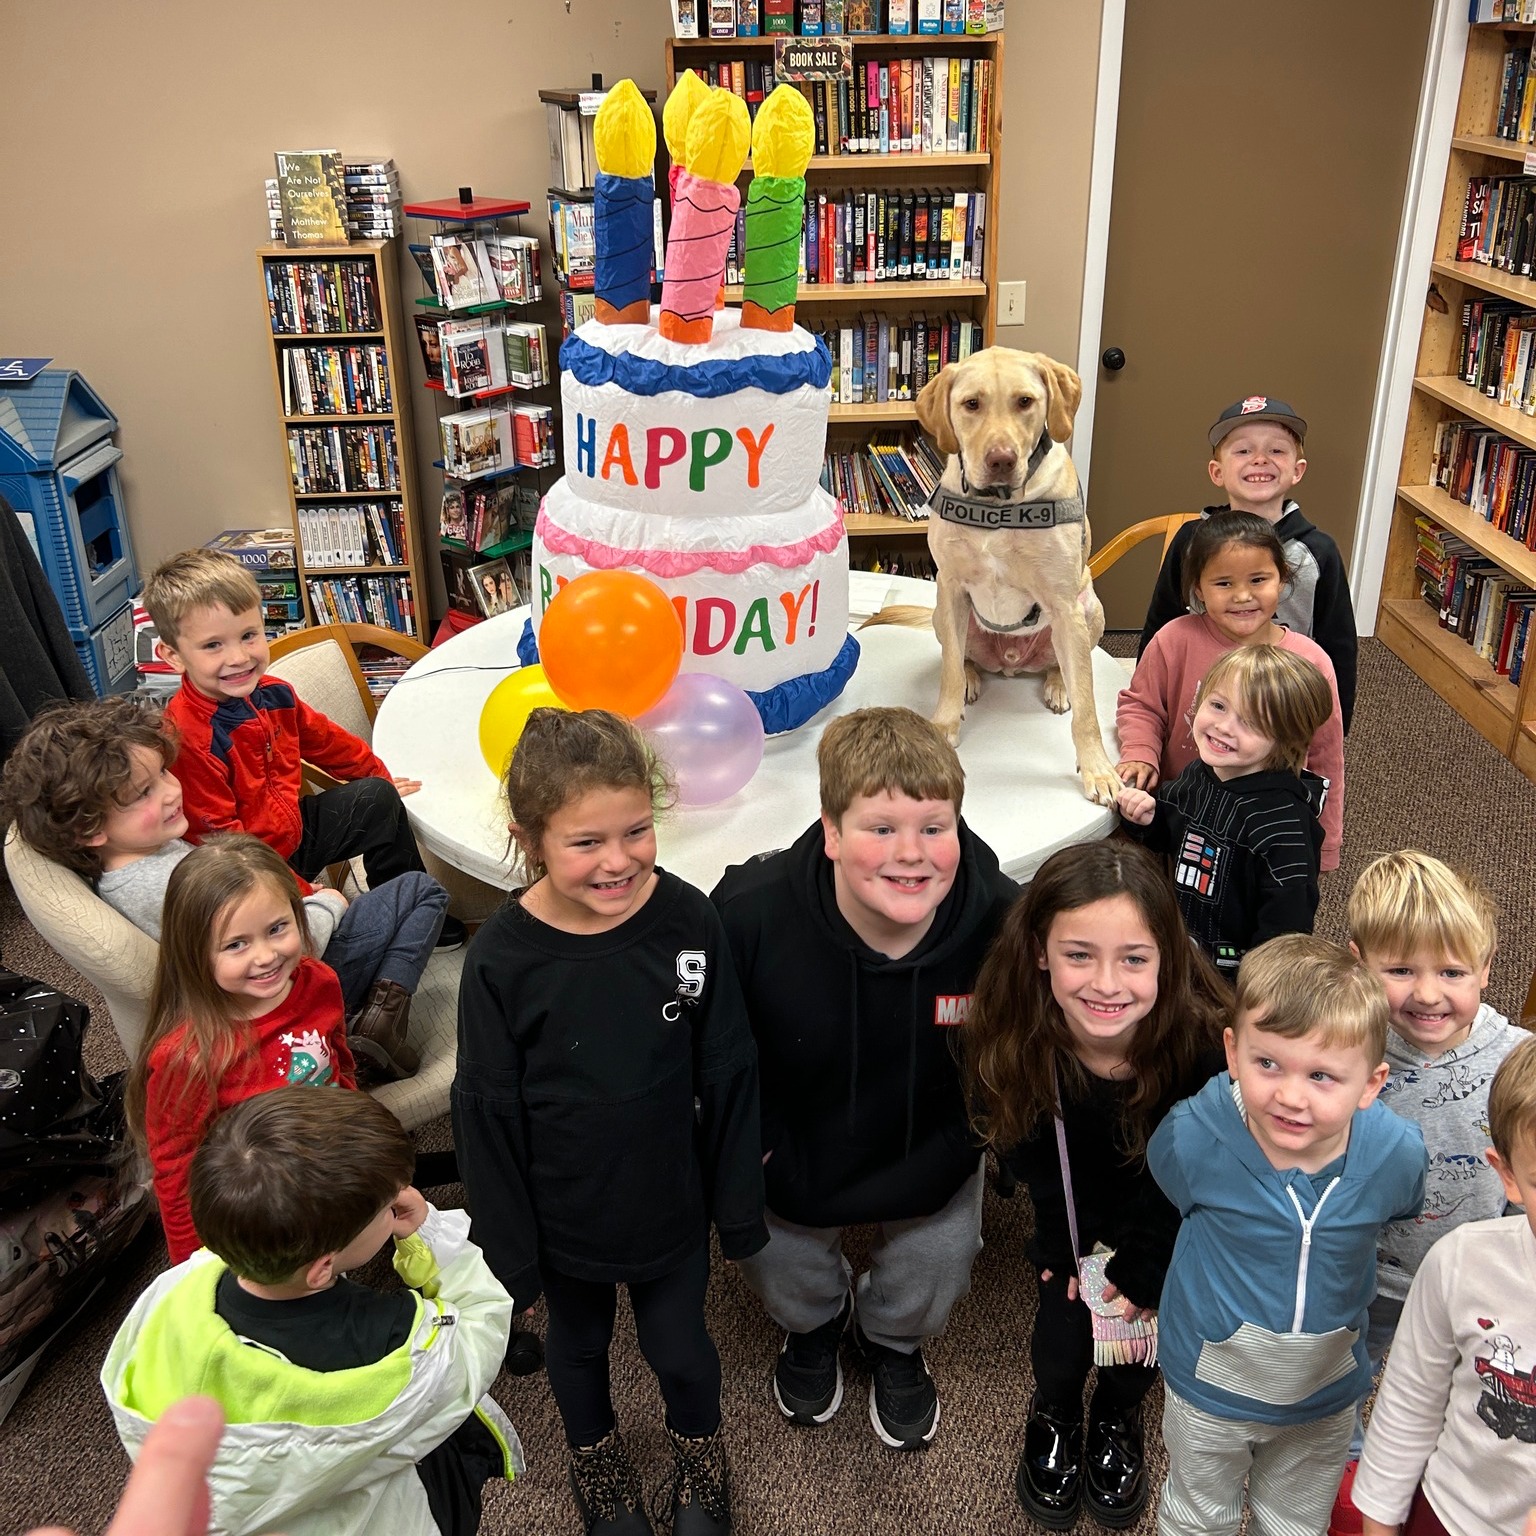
x=1448 y=1096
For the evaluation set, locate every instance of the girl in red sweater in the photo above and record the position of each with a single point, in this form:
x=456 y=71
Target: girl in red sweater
x=1234 y=572
x=238 y=1007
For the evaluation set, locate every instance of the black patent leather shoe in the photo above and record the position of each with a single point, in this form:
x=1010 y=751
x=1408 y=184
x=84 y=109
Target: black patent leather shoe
x=1050 y=1476
x=1115 y=1478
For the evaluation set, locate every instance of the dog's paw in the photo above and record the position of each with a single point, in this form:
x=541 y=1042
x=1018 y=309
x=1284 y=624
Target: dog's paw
x=949 y=727
x=1056 y=699
x=972 y=682
x=1101 y=784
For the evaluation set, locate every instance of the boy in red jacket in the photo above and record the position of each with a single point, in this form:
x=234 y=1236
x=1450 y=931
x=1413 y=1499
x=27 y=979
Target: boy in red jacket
x=244 y=736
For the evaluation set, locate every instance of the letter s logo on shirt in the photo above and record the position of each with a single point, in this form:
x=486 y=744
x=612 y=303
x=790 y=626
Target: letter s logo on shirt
x=690 y=973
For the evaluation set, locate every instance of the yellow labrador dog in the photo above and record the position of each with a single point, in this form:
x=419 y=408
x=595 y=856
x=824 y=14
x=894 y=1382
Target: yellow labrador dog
x=1009 y=539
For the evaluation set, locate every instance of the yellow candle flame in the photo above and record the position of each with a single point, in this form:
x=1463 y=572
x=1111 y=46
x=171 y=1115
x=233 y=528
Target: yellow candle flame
x=784 y=134
x=625 y=132
x=686 y=95
x=719 y=135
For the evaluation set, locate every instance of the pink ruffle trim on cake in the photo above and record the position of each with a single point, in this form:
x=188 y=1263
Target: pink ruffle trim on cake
x=677 y=562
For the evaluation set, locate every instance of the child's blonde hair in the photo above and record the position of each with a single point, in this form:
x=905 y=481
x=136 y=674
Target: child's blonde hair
x=197 y=578
x=1512 y=1101
x=561 y=755
x=1407 y=902
x=890 y=750
x=1299 y=985
x=1283 y=697
x=198 y=896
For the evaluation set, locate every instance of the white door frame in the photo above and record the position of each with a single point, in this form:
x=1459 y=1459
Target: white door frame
x=1438 y=94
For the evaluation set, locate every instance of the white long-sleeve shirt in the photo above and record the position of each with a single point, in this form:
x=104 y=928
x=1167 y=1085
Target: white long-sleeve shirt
x=1460 y=1388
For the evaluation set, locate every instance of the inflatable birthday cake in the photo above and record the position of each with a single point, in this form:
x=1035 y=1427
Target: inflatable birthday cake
x=694 y=435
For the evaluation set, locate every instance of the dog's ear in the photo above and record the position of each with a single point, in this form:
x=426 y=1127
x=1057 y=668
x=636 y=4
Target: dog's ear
x=933 y=410
x=1064 y=395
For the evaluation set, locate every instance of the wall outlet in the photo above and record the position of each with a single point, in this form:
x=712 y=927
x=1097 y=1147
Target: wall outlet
x=1010 y=303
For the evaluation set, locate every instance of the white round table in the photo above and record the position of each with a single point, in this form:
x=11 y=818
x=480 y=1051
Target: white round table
x=1023 y=795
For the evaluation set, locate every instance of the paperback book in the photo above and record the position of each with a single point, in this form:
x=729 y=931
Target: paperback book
x=312 y=196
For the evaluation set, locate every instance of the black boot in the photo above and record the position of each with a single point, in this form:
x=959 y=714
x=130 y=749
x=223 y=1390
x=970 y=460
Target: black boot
x=606 y=1488
x=700 y=1492
x=525 y=1353
x=1116 y=1474
x=1050 y=1477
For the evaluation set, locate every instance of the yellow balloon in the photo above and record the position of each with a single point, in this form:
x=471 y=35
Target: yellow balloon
x=784 y=134
x=624 y=132
x=506 y=712
x=689 y=91
x=719 y=135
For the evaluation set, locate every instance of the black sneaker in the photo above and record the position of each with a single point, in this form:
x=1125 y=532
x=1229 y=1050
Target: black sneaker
x=808 y=1379
x=453 y=935
x=903 y=1401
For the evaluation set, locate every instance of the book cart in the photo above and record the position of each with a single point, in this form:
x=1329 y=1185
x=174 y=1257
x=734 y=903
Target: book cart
x=336 y=351
x=1459 y=584
x=878 y=540
x=517 y=476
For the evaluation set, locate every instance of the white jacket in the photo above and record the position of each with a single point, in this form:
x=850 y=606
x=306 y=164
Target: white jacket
x=322 y=1453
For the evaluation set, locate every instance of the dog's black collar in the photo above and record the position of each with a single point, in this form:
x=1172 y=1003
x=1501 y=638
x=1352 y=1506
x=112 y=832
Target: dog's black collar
x=990 y=508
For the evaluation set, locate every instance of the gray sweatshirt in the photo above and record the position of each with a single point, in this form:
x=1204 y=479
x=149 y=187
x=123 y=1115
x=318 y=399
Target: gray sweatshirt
x=137 y=890
x=1448 y=1097
x=1457 y=1406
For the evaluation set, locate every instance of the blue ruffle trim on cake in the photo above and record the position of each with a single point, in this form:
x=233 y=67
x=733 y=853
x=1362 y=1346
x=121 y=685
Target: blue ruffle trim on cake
x=708 y=380
x=784 y=707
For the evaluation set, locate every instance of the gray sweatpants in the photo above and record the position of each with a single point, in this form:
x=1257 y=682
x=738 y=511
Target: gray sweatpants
x=918 y=1270
x=1292 y=1472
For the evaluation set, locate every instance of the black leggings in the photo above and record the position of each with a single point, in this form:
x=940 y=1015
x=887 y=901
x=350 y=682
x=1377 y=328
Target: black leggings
x=1061 y=1351
x=669 y=1321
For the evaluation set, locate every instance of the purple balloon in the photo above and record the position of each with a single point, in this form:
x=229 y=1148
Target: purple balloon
x=709 y=733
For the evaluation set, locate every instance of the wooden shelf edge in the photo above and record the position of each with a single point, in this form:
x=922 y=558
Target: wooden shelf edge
x=1522 y=290
x=1458 y=518
x=1491 y=145
x=1474 y=675
x=863 y=525
x=1515 y=425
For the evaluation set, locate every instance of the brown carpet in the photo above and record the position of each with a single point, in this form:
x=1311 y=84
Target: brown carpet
x=1417 y=774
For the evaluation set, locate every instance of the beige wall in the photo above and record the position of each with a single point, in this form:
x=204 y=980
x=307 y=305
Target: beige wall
x=138 y=136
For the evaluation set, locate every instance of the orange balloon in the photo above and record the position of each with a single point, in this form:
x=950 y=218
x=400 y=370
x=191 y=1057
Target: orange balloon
x=611 y=640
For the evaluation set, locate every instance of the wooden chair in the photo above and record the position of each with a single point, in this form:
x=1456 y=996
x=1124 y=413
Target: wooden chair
x=1129 y=538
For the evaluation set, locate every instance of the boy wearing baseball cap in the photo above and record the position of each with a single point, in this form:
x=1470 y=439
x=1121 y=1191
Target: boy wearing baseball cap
x=1257 y=455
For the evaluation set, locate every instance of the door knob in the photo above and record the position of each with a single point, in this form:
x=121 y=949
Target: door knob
x=1113 y=359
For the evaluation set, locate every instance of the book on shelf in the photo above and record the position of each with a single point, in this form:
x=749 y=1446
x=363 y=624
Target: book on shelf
x=878 y=358
x=387 y=601
x=562 y=125
x=474 y=355
x=1474 y=597
x=919 y=105
x=514 y=264
x=1503 y=10
x=373 y=198
x=312 y=195
x=430 y=340
x=495 y=590
x=1489 y=473
x=527 y=354
x=477 y=443
x=892 y=474
x=453 y=518
x=1497 y=352
x=352 y=533
x=422 y=256
x=461 y=269
x=576 y=308
x=274 y=212
x=571 y=238
x=490 y=515
x=327 y=460
x=321 y=295
x=335 y=380
x=533 y=428
x=1498 y=223
x=457 y=564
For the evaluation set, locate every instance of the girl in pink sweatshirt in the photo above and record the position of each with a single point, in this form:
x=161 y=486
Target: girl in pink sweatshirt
x=1234 y=572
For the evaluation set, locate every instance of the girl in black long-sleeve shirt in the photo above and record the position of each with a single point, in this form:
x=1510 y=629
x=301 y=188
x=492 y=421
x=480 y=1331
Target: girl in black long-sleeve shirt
x=605 y=1107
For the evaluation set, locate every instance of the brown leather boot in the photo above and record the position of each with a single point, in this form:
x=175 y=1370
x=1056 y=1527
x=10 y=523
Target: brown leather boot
x=376 y=1032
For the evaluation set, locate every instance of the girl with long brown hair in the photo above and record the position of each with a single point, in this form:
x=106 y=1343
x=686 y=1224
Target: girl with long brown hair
x=239 y=1007
x=1092 y=1005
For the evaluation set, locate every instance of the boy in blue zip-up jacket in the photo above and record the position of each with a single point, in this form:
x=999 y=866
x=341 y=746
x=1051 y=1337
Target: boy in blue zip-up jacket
x=1284 y=1174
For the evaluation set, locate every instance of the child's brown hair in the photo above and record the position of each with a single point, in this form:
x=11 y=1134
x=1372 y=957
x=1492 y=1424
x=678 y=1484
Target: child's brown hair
x=1298 y=985
x=287 y=1177
x=199 y=894
x=890 y=750
x=1512 y=1101
x=1016 y=1044
x=1215 y=533
x=197 y=578
x=71 y=768
x=1282 y=696
x=561 y=755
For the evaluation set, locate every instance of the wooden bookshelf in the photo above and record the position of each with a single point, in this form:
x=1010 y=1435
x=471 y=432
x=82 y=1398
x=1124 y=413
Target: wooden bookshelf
x=971 y=171
x=1504 y=714
x=380 y=259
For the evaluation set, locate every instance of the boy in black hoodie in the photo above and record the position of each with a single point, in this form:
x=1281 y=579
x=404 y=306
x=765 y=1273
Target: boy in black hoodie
x=858 y=949
x=1257 y=455
x=1240 y=823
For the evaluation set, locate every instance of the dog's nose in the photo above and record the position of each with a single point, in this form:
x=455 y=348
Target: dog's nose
x=1000 y=461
